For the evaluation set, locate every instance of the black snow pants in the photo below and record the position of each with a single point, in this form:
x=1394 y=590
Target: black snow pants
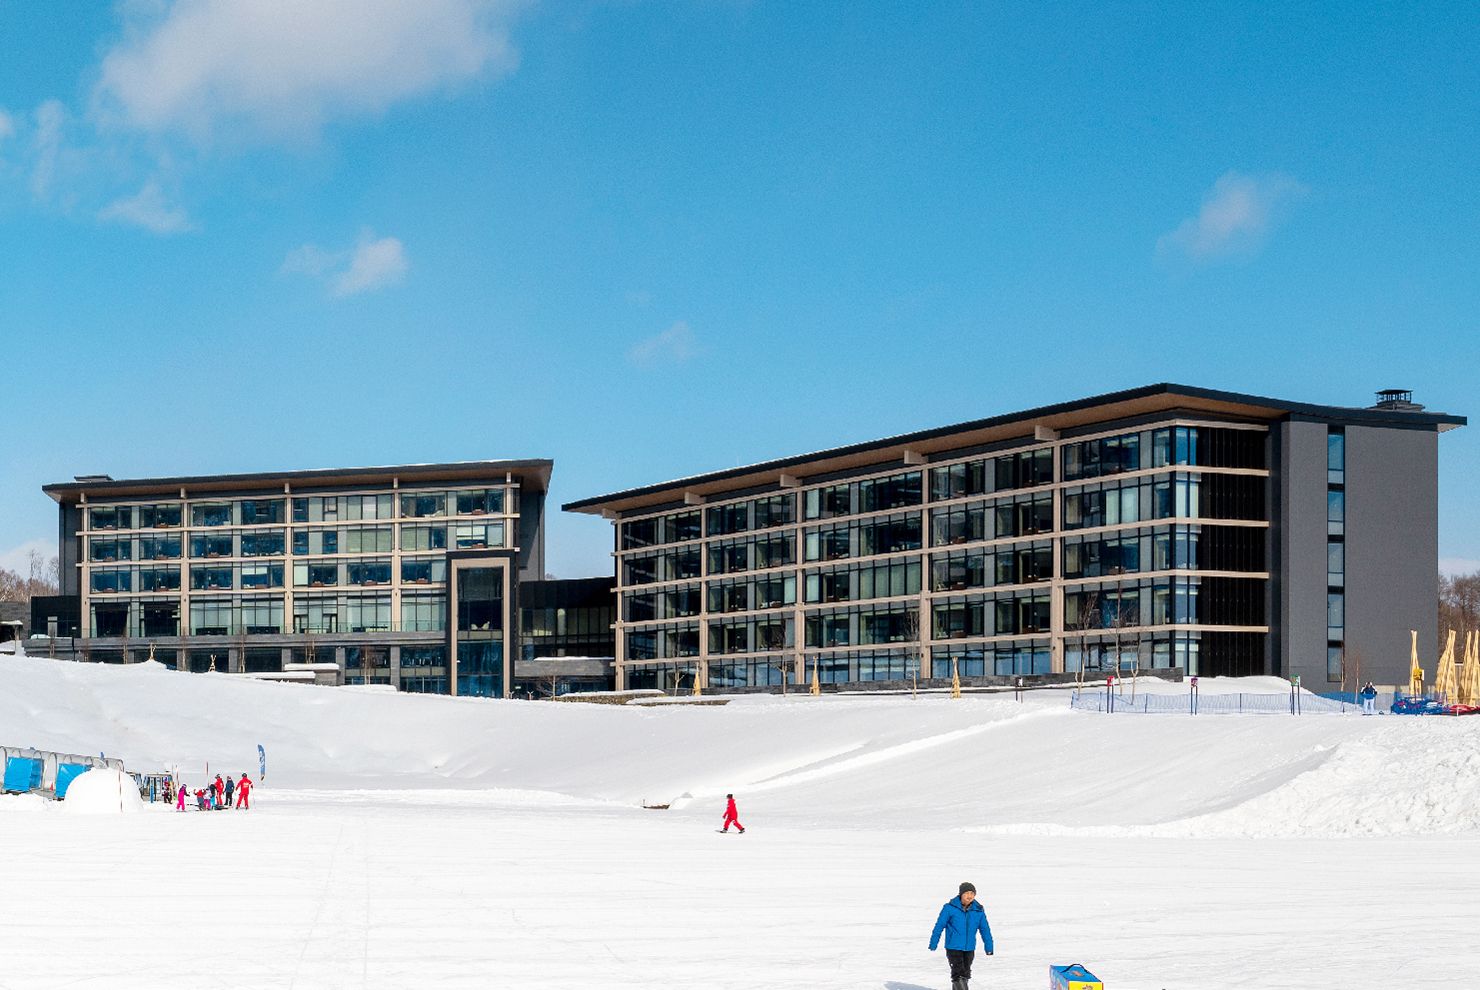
x=960 y=960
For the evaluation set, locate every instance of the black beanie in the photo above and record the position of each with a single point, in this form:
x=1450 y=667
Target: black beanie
x=965 y=887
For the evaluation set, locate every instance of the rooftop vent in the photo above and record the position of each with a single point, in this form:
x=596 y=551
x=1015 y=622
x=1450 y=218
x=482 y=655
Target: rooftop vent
x=87 y=479
x=1398 y=399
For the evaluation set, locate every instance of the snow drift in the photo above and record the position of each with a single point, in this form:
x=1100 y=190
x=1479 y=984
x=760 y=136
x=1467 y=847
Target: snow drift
x=103 y=791
x=984 y=763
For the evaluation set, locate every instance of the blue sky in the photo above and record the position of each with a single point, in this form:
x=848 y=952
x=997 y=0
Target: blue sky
x=247 y=237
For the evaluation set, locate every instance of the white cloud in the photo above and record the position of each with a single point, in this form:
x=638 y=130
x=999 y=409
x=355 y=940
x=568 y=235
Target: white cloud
x=280 y=68
x=1455 y=566
x=674 y=344
x=1236 y=216
x=373 y=263
x=46 y=146
x=148 y=209
x=376 y=263
x=18 y=559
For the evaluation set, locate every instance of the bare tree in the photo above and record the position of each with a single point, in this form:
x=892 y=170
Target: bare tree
x=914 y=649
x=773 y=641
x=1086 y=621
x=40 y=579
x=1126 y=621
x=1459 y=604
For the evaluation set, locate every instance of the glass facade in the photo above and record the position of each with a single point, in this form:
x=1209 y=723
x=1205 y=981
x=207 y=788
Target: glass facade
x=303 y=565
x=1147 y=546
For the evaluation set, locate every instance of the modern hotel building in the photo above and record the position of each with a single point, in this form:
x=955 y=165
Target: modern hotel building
x=1169 y=527
x=403 y=575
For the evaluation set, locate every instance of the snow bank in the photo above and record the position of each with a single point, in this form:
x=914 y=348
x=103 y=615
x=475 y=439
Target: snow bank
x=103 y=791
x=984 y=763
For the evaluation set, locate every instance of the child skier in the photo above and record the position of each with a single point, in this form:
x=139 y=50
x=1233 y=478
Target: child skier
x=243 y=791
x=962 y=918
x=731 y=815
x=180 y=793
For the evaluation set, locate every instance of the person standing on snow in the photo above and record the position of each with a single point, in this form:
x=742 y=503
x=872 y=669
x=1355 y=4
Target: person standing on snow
x=180 y=793
x=243 y=792
x=731 y=815
x=1369 y=699
x=221 y=792
x=961 y=919
x=229 y=785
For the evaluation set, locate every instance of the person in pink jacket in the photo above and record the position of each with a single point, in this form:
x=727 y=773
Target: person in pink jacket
x=180 y=801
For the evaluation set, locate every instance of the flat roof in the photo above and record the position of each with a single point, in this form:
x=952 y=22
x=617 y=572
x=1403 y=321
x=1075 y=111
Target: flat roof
x=533 y=474
x=1147 y=399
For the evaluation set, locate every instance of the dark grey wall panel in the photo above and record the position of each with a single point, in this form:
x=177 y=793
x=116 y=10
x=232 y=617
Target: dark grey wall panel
x=1392 y=548
x=1302 y=541
x=531 y=536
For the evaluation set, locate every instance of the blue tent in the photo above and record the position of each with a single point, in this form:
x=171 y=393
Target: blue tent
x=65 y=774
x=22 y=773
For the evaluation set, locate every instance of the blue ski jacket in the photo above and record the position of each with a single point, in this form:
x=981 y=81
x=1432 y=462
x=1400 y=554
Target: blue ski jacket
x=961 y=925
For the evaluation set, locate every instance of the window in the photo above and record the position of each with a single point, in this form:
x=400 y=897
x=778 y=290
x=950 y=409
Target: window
x=368 y=614
x=725 y=519
x=106 y=579
x=210 y=578
x=639 y=533
x=369 y=572
x=213 y=618
x=260 y=617
x=112 y=517
x=211 y=545
x=423 y=537
x=681 y=527
x=1335 y=616
x=369 y=506
x=210 y=514
x=1336 y=456
x=262 y=576
x=424 y=571
x=419 y=504
x=262 y=511
x=105 y=550
x=486 y=501
x=826 y=503
x=159 y=516
x=778 y=510
x=1335 y=661
x=159 y=579
x=269 y=544
x=475 y=536
x=1336 y=513
x=368 y=540
x=893 y=492
x=1335 y=564
x=958 y=480
x=316 y=574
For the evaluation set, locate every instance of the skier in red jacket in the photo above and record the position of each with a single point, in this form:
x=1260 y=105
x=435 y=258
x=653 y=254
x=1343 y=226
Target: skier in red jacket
x=243 y=791
x=731 y=815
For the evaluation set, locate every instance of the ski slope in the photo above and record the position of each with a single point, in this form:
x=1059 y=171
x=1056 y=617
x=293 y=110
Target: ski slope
x=422 y=841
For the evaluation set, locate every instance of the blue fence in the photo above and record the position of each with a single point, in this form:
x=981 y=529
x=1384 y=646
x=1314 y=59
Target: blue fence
x=1303 y=703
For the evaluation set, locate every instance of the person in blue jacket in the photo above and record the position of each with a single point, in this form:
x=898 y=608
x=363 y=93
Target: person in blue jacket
x=961 y=919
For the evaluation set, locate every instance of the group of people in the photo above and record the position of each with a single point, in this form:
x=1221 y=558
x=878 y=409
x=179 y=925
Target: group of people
x=215 y=796
x=962 y=920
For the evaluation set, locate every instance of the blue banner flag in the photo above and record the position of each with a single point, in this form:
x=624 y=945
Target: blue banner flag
x=261 y=763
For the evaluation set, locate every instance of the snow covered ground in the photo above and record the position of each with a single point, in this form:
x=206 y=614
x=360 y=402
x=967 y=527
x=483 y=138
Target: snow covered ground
x=404 y=841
